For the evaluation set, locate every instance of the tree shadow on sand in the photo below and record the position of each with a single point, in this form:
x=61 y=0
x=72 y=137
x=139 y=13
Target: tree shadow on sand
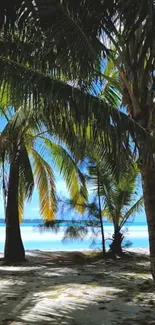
x=70 y=290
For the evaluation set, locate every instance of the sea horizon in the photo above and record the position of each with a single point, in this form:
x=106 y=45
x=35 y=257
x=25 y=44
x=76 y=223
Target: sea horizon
x=33 y=238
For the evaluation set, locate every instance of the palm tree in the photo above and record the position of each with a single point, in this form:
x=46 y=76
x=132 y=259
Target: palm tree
x=120 y=204
x=129 y=28
x=54 y=101
x=23 y=148
x=79 y=42
x=134 y=58
x=57 y=97
x=39 y=85
x=117 y=197
x=113 y=196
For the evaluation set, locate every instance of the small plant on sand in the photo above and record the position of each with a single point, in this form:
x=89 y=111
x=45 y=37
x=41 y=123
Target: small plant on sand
x=95 y=285
x=139 y=297
x=55 y=296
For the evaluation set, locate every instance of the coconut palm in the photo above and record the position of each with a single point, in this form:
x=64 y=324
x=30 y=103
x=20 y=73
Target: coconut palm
x=129 y=30
x=120 y=204
x=42 y=86
x=23 y=149
x=49 y=80
x=113 y=196
x=134 y=59
x=85 y=39
x=47 y=83
x=111 y=96
x=117 y=198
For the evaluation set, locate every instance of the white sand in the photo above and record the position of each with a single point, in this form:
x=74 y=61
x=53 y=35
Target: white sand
x=64 y=288
x=139 y=250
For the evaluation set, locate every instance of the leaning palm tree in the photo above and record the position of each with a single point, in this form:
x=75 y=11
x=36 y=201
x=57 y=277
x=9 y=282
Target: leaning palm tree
x=23 y=150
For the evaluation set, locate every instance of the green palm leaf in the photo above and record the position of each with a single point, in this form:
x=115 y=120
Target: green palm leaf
x=74 y=178
x=46 y=185
x=25 y=173
x=136 y=208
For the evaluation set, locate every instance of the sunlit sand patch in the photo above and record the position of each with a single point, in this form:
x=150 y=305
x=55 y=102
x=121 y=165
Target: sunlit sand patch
x=97 y=293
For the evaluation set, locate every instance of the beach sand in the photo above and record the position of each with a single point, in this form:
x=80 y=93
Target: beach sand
x=75 y=288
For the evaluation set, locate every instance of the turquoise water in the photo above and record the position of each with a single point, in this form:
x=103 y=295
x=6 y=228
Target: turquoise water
x=136 y=233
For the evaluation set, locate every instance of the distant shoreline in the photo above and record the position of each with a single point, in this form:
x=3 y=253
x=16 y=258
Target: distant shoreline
x=106 y=222
x=30 y=252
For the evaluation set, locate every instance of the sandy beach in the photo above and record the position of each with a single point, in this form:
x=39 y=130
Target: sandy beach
x=75 y=288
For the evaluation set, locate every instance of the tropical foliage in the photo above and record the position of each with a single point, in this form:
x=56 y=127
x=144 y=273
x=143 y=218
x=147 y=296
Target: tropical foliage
x=119 y=199
x=70 y=40
x=110 y=198
x=28 y=152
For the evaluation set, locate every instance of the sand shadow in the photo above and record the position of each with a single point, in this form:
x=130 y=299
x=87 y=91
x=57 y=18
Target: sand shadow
x=59 y=289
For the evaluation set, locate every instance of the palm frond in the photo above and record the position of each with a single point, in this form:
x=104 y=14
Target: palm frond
x=46 y=185
x=123 y=191
x=111 y=90
x=74 y=178
x=21 y=199
x=136 y=208
x=106 y=213
x=53 y=99
x=25 y=173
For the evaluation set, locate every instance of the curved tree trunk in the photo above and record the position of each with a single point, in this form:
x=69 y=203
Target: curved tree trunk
x=14 y=249
x=148 y=183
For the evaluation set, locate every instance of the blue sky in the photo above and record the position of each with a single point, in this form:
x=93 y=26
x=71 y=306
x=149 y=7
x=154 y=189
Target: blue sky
x=32 y=208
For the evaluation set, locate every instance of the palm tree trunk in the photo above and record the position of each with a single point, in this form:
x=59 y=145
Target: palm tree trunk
x=148 y=184
x=100 y=216
x=14 y=249
x=116 y=245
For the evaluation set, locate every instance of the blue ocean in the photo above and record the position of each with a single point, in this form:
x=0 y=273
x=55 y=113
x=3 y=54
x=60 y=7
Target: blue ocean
x=135 y=234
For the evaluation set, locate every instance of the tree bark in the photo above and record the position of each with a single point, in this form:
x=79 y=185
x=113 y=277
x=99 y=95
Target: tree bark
x=100 y=216
x=148 y=184
x=14 y=249
x=103 y=239
x=116 y=245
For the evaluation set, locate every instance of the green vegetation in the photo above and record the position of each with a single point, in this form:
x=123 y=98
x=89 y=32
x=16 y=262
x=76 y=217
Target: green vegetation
x=51 y=66
x=120 y=203
x=55 y=296
x=114 y=196
x=24 y=155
